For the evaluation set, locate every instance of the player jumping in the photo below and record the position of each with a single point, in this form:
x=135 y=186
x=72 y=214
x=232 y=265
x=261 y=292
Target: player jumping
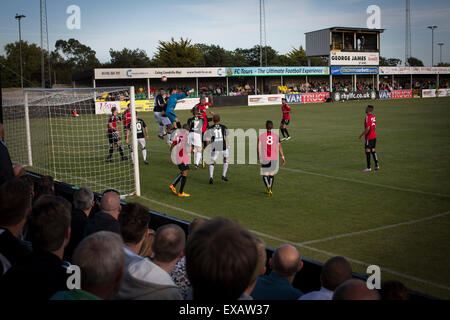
x=285 y=121
x=126 y=116
x=171 y=105
x=218 y=136
x=142 y=135
x=370 y=138
x=160 y=105
x=269 y=147
x=182 y=159
x=114 y=135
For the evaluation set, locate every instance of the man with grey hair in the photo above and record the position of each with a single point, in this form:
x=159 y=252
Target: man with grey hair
x=355 y=289
x=83 y=201
x=106 y=219
x=335 y=271
x=100 y=258
x=285 y=263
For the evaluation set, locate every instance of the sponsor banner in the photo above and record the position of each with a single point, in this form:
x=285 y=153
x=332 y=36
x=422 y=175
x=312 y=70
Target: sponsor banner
x=343 y=96
x=417 y=93
x=336 y=71
x=105 y=107
x=265 y=99
x=140 y=105
x=354 y=58
x=414 y=70
x=144 y=73
x=276 y=71
x=384 y=94
x=294 y=98
x=401 y=94
x=429 y=93
x=188 y=103
x=315 y=97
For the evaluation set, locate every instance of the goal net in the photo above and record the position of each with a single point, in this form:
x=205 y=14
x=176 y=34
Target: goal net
x=63 y=133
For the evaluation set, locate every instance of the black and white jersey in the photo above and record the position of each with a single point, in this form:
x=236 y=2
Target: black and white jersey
x=217 y=135
x=140 y=126
x=195 y=124
x=160 y=104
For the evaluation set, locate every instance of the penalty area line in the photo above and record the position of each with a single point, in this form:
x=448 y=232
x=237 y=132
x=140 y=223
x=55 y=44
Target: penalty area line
x=300 y=245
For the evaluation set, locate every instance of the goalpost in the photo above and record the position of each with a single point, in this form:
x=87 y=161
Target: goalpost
x=63 y=133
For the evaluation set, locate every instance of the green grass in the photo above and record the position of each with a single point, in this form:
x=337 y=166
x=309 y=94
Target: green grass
x=322 y=193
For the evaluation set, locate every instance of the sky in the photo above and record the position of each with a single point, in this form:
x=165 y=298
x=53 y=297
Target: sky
x=229 y=24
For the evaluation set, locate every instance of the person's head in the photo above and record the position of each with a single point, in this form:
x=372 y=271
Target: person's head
x=369 y=109
x=101 y=259
x=286 y=261
x=262 y=258
x=2 y=131
x=169 y=243
x=355 y=289
x=335 y=271
x=216 y=118
x=393 y=290
x=114 y=111
x=29 y=181
x=194 y=225
x=15 y=203
x=173 y=91
x=49 y=223
x=203 y=100
x=83 y=199
x=221 y=259
x=47 y=181
x=269 y=125
x=161 y=91
x=110 y=203
x=283 y=101
x=133 y=220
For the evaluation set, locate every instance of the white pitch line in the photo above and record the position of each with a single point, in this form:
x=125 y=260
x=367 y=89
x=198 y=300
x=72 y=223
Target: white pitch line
x=297 y=244
x=376 y=229
x=367 y=183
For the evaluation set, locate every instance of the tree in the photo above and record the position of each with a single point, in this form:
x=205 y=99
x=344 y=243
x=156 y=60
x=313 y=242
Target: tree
x=176 y=54
x=414 y=62
x=78 y=56
x=31 y=63
x=127 y=58
x=389 y=62
x=251 y=57
x=214 y=56
x=443 y=64
x=297 y=57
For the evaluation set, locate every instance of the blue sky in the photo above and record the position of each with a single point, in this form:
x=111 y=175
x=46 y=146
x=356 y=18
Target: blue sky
x=230 y=24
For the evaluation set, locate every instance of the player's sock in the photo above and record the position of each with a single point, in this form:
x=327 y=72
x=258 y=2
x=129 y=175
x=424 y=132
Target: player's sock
x=225 y=169
x=198 y=158
x=168 y=137
x=375 y=158
x=271 y=179
x=144 y=154
x=111 y=150
x=177 y=179
x=129 y=146
x=120 y=151
x=287 y=133
x=183 y=182
x=266 y=181
x=282 y=132
x=211 y=171
x=368 y=159
x=161 y=130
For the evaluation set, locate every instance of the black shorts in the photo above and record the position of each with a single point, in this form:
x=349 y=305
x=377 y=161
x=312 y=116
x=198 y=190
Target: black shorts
x=183 y=167
x=370 y=144
x=286 y=122
x=128 y=127
x=113 y=137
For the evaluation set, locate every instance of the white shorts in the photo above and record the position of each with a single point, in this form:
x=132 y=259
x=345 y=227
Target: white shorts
x=195 y=139
x=142 y=142
x=215 y=154
x=158 y=117
x=165 y=121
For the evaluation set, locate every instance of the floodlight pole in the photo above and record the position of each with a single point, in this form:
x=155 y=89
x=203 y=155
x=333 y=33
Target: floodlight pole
x=18 y=17
x=432 y=43
x=440 y=44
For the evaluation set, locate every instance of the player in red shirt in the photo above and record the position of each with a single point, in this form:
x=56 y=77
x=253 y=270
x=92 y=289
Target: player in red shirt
x=182 y=159
x=200 y=109
x=269 y=149
x=285 y=121
x=370 y=138
x=114 y=135
x=126 y=116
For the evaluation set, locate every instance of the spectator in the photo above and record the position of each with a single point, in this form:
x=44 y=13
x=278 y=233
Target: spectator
x=106 y=218
x=83 y=201
x=221 y=259
x=179 y=274
x=260 y=268
x=42 y=273
x=168 y=246
x=15 y=203
x=100 y=258
x=393 y=290
x=146 y=248
x=7 y=170
x=285 y=264
x=143 y=279
x=335 y=271
x=355 y=289
x=44 y=186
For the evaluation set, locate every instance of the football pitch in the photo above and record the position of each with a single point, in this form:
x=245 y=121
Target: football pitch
x=397 y=218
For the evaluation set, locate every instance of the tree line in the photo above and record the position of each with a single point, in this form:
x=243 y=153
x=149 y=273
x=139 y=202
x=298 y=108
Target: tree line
x=71 y=56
